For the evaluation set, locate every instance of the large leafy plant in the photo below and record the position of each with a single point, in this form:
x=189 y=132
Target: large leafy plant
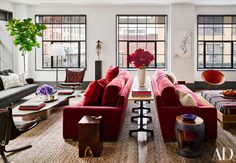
x=25 y=34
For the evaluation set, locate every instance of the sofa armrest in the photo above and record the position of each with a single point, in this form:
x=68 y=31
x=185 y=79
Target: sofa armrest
x=181 y=82
x=112 y=120
x=29 y=80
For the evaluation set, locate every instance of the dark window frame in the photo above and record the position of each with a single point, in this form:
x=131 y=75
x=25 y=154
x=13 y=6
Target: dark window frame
x=203 y=41
x=5 y=15
x=155 y=41
x=65 y=41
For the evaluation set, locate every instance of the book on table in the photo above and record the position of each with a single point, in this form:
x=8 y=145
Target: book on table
x=32 y=105
x=141 y=91
x=65 y=92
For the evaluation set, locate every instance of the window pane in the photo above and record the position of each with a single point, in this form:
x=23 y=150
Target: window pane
x=142 y=19
x=200 y=47
x=218 y=19
x=215 y=37
x=228 y=19
x=57 y=32
x=123 y=19
x=160 y=48
x=47 y=33
x=218 y=32
x=69 y=32
x=133 y=20
x=151 y=19
x=140 y=32
x=123 y=33
x=200 y=32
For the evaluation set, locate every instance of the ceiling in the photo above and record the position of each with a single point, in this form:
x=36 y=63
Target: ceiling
x=124 y=2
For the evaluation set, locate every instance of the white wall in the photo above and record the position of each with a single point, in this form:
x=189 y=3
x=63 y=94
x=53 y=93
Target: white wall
x=101 y=25
x=213 y=10
x=6 y=47
x=181 y=19
x=20 y=12
x=5 y=5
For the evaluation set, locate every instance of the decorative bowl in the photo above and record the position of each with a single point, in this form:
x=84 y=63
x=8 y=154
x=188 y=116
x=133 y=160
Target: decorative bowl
x=229 y=93
x=189 y=117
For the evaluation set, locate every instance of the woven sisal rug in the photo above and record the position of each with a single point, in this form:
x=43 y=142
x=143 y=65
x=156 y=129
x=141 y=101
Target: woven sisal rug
x=49 y=146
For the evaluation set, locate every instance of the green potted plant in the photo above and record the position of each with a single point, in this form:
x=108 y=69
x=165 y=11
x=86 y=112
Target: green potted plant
x=25 y=34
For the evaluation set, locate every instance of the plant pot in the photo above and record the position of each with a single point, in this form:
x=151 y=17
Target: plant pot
x=141 y=77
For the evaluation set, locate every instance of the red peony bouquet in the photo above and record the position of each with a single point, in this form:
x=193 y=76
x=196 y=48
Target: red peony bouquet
x=140 y=58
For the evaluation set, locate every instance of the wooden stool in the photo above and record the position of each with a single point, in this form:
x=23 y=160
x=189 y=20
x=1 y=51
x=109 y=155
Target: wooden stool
x=90 y=136
x=190 y=135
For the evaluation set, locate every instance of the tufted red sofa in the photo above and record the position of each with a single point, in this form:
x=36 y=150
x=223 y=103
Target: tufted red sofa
x=113 y=116
x=169 y=107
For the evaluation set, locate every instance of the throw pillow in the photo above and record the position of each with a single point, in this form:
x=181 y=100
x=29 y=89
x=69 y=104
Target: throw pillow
x=112 y=92
x=93 y=94
x=171 y=76
x=11 y=81
x=111 y=73
x=21 y=77
x=186 y=99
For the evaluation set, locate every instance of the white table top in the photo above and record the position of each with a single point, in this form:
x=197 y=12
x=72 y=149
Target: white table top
x=141 y=98
x=49 y=105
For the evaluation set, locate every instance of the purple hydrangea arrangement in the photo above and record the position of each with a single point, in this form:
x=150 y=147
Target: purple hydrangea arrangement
x=45 y=90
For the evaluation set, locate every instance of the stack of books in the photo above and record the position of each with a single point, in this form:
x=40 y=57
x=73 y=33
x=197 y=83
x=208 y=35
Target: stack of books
x=32 y=105
x=141 y=91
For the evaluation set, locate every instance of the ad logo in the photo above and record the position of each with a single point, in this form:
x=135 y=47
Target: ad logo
x=224 y=154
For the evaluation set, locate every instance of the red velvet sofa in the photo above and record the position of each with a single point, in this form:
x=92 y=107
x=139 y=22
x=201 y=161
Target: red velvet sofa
x=169 y=107
x=113 y=116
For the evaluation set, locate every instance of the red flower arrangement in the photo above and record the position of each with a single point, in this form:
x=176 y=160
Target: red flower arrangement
x=140 y=58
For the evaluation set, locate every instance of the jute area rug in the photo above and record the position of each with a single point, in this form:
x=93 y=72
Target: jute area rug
x=50 y=147
x=166 y=152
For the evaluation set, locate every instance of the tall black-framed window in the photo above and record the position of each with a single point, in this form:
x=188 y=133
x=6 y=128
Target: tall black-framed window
x=216 y=41
x=69 y=31
x=5 y=15
x=142 y=31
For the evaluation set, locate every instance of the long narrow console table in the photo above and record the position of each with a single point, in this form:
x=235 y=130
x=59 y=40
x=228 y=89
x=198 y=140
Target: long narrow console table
x=141 y=99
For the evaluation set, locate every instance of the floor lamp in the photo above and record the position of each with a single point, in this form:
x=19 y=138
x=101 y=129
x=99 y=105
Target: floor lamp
x=57 y=50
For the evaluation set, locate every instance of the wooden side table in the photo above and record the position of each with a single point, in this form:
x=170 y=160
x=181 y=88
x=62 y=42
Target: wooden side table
x=90 y=136
x=190 y=135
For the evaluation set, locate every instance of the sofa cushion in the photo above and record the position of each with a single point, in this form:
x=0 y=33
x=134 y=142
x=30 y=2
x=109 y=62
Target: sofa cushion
x=11 y=81
x=124 y=74
x=21 y=77
x=167 y=91
x=186 y=99
x=171 y=76
x=112 y=91
x=91 y=94
x=12 y=95
x=111 y=73
x=159 y=74
x=185 y=89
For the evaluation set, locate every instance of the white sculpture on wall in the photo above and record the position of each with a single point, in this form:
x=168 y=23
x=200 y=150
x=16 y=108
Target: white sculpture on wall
x=183 y=44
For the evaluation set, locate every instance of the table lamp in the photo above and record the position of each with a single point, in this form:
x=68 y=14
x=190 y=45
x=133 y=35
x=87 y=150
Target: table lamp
x=56 y=50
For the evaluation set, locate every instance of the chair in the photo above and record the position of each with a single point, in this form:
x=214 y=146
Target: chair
x=74 y=79
x=9 y=131
x=213 y=77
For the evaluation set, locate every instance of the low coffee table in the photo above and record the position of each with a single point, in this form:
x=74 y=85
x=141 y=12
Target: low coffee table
x=226 y=106
x=45 y=112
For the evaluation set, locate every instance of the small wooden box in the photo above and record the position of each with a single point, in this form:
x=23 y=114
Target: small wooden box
x=90 y=136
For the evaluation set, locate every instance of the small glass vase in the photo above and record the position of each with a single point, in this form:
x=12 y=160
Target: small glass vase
x=141 y=77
